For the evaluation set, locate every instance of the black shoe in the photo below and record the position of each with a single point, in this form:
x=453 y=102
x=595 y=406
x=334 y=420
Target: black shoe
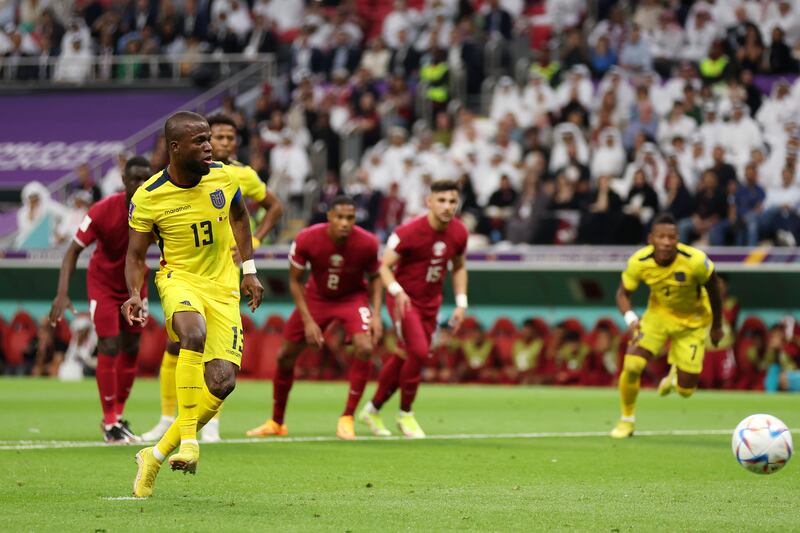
x=115 y=435
x=126 y=429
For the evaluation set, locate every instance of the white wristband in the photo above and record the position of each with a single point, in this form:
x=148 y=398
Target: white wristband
x=461 y=301
x=249 y=266
x=630 y=317
x=394 y=288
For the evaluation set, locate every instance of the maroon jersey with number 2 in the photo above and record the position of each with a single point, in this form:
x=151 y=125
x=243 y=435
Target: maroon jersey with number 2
x=336 y=287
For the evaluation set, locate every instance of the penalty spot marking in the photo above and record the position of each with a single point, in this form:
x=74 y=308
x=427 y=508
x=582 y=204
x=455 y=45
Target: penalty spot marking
x=123 y=498
x=59 y=444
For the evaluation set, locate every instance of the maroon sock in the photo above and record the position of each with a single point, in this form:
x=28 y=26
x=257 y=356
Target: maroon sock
x=281 y=385
x=107 y=386
x=126 y=373
x=388 y=379
x=410 y=376
x=359 y=375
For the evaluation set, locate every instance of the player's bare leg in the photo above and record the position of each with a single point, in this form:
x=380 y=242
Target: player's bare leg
x=281 y=386
x=359 y=375
x=686 y=383
x=629 y=382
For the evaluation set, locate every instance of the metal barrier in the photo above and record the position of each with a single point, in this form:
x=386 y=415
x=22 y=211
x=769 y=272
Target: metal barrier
x=17 y=72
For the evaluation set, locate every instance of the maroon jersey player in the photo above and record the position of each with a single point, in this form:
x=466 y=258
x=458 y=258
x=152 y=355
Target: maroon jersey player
x=343 y=285
x=118 y=343
x=413 y=269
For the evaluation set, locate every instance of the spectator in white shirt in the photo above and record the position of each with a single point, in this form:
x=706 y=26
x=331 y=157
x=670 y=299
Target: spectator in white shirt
x=401 y=18
x=740 y=135
x=289 y=167
x=609 y=157
x=676 y=123
x=699 y=36
x=74 y=65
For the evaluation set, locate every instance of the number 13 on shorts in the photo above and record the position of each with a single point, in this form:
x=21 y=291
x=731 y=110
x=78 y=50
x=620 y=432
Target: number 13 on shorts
x=238 y=339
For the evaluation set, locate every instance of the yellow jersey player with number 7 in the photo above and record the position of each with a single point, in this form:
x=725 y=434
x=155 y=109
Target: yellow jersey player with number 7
x=194 y=207
x=684 y=301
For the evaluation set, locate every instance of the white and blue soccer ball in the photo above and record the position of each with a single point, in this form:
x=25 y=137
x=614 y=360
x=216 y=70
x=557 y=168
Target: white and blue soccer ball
x=762 y=444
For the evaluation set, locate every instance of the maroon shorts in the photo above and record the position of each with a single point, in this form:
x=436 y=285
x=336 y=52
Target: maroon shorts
x=106 y=314
x=353 y=312
x=416 y=329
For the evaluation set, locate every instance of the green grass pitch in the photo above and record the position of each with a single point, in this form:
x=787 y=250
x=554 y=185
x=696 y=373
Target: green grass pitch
x=495 y=481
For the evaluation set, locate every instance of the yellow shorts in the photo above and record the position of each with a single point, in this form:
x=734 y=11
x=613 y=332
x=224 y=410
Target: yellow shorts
x=219 y=309
x=687 y=348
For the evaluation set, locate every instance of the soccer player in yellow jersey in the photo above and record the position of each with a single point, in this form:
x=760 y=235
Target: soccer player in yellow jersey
x=195 y=209
x=684 y=301
x=223 y=150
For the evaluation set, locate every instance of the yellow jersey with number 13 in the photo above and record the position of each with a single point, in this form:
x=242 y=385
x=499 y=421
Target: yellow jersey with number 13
x=677 y=291
x=191 y=226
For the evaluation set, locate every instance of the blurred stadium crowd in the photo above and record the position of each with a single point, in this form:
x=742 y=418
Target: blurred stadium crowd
x=689 y=107
x=751 y=356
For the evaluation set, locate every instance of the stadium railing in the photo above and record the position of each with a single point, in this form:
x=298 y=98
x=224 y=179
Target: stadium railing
x=131 y=70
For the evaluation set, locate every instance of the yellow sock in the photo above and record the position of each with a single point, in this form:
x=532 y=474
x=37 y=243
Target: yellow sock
x=208 y=408
x=629 y=381
x=189 y=386
x=166 y=378
x=684 y=391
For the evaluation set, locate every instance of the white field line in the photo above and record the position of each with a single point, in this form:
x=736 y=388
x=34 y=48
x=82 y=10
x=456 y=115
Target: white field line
x=57 y=444
x=123 y=498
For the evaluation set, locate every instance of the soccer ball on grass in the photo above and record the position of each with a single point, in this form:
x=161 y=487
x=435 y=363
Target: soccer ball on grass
x=762 y=444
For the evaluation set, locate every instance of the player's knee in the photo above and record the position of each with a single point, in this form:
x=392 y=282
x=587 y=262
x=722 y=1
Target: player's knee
x=221 y=383
x=685 y=391
x=634 y=364
x=287 y=356
x=194 y=340
x=130 y=345
x=362 y=348
x=108 y=345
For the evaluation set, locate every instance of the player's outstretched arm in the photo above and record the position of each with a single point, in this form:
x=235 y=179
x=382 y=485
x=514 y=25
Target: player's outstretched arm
x=62 y=302
x=240 y=224
x=625 y=307
x=311 y=329
x=460 y=290
x=401 y=300
x=715 y=298
x=133 y=308
x=274 y=208
x=375 y=291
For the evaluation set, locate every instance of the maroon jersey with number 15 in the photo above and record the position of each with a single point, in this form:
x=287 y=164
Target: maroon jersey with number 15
x=337 y=270
x=424 y=256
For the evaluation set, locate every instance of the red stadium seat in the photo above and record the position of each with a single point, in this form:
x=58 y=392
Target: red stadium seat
x=20 y=332
x=274 y=324
x=267 y=358
x=252 y=352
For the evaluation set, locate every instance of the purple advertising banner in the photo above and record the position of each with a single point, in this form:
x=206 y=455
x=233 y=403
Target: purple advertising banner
x=45 y=136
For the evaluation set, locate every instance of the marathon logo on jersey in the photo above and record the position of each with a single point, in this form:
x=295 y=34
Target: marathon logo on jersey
x=217 y=198
x=680 y=276
x=337 y=261
x=130 y=210
x=439 y=248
